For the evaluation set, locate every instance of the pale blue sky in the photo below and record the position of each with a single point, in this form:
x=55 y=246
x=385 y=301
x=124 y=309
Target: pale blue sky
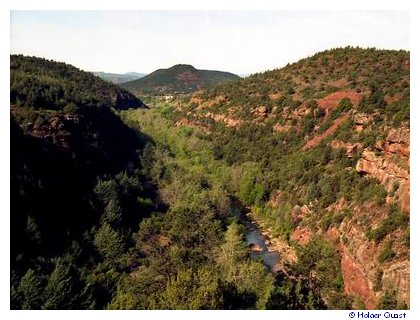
x=236 y=41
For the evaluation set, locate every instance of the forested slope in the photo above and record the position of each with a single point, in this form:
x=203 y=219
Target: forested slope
x=181 y=78
x=75 y=189
x=328 y=142
x=143 y=208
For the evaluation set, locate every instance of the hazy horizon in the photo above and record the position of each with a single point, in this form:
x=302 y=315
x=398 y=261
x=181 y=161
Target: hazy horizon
x=241 y=42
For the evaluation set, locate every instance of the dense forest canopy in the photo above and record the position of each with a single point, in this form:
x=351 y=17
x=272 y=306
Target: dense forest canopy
x=45 y=84
x=66 y=143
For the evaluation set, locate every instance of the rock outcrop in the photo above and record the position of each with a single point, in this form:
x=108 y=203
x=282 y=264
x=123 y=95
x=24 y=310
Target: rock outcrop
x=397 y=275
x=279 y=128
x=255 y=248
x=360 y=120
x=355 y=280
x=351 y=148
x=389 y=162
x=56 y=128
x=230 y=122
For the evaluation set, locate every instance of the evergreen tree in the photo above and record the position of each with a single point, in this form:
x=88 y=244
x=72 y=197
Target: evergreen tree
x=113 y=213
x=109 y=244
x=30 y=290
x=233 y=249
x=190 y=290
x=59 y=292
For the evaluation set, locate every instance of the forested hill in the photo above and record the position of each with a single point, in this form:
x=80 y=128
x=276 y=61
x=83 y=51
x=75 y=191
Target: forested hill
x=76 y=191
x=180 y=78
x=45 y=84
x=328 y=141
x=325 y=77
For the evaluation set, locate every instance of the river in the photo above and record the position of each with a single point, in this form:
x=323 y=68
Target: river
x=254 y=237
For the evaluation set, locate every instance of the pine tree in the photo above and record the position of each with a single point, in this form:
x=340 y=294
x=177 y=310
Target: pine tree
x=30 y=290
x=109 y=244
x=113 y=213
x=59 y=292
x=234 y=249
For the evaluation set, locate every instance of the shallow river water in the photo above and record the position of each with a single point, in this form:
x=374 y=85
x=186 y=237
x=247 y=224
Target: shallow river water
x=253 y=236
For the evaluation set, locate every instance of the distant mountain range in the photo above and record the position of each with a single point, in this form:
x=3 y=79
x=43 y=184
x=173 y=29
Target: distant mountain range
x=181 y=78
x=119 y=78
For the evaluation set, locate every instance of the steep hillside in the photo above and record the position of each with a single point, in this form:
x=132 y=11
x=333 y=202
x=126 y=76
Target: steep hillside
x=45 y=84
x=119 y=78
x=180 y=78
x=72 y=161
x=328 y=140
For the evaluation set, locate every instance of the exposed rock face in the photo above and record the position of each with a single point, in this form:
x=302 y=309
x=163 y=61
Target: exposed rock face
x=261 y=110
x=398 y=140
x=302 y=111
x=397 y=275
x=274 y=96
x=360 y=120
x=301 y=235
x=355 y=282
x=260 y=113
x=230 y=122
x=359 y=256
x=351 y=148
x=57 y=127
x=390 y=164
x=279 y=128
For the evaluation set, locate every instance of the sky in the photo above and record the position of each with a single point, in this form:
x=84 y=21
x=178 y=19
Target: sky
x=241 y=42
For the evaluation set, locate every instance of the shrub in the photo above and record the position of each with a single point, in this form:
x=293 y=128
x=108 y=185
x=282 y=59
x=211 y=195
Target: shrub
x=377 y=285
x=325 y=125
x=71 y=108
x=387 y=253
x=396 y=219
x=326 y=221
x=344 y=106
x=388 y=301
x=339 y=216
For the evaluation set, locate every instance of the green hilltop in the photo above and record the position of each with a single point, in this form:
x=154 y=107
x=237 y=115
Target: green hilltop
x=181 y=78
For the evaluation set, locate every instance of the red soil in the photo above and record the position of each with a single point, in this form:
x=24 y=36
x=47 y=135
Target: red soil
x=332 y=101
x=187 y=76
x=318 y=138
